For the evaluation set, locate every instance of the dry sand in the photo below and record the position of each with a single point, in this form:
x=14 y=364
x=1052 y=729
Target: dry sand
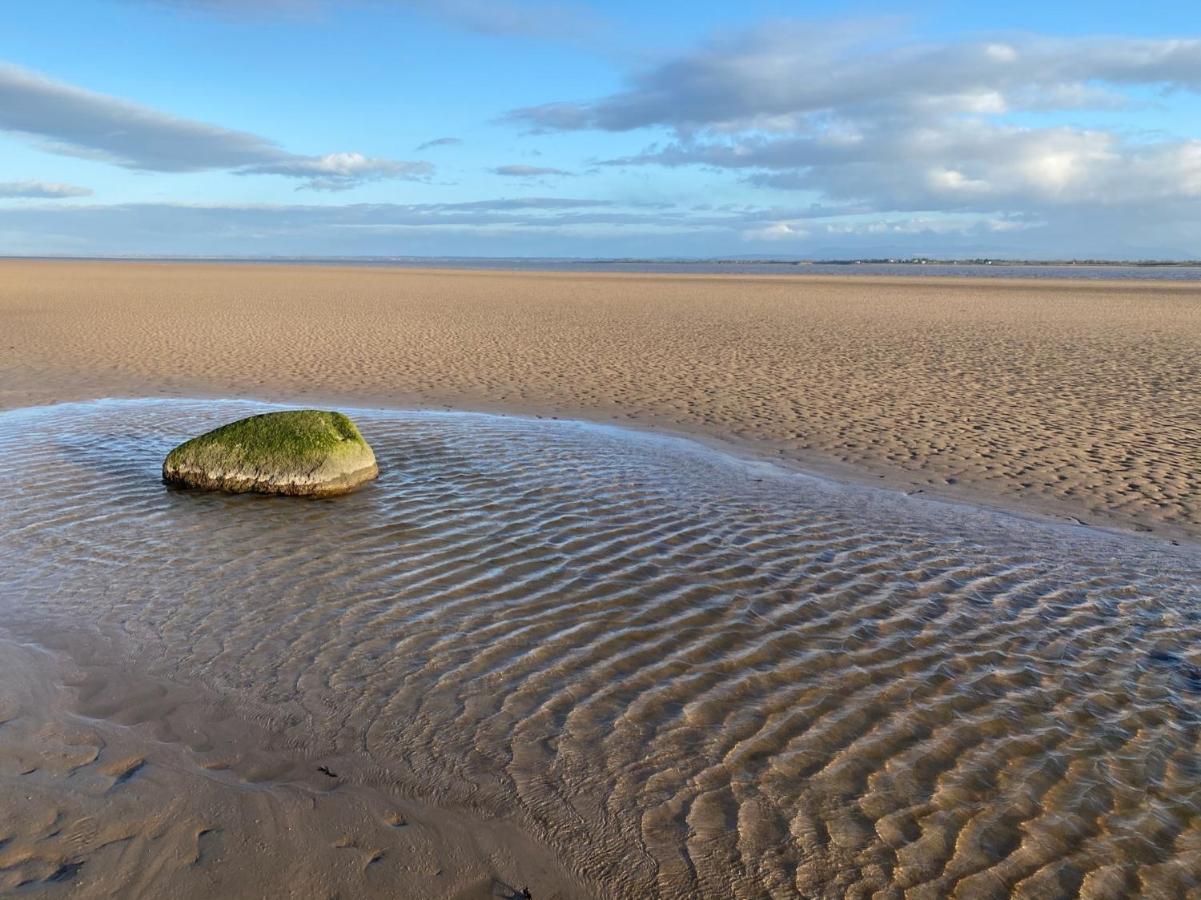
x=1077 y=399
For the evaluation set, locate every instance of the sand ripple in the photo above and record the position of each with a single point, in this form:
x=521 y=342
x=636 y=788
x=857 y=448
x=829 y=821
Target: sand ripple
x=683 y=674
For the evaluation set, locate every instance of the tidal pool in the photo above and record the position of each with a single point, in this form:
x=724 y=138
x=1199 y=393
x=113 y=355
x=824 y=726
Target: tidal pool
x=682 y=673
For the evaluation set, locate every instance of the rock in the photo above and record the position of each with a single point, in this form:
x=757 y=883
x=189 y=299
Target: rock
x=308 y=452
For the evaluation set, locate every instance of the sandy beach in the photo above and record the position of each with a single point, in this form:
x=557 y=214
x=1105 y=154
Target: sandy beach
x=585 y=450
x=1080 y=400
x=539 y=655
x=113 y=784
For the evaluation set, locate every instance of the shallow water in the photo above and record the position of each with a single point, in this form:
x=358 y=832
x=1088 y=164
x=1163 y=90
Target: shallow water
x=745 y=267
x=686 y=674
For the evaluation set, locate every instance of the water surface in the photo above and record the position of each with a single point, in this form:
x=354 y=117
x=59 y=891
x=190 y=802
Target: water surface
x=1085 y=271
x=686 y=674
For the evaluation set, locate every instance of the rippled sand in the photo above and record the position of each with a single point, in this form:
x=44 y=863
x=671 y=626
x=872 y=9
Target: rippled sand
x=1083 y=399
x=659 y=669
x=114 y=783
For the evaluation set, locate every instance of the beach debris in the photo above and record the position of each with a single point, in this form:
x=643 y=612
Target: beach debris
x=305 y=452
x=325 y=770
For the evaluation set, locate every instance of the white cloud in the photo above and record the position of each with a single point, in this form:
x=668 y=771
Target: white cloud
x=546 y=226
x=856 y=117
x=943 y=179
x=439 y=142
x=66 y=119
x=786 y=70
x=1004 y=53
x=520 y=225
x=41 y=190
x=521 y=171
x=340 y=171
x=777 y=231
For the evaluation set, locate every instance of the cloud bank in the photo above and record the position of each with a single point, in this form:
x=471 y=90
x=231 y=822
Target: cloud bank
x=520 y=171
x=855 y=116
x=775 y=77
x=70 y=120
x=548 y=226
x=41 y=190
x=340 y=171
x=836 y=139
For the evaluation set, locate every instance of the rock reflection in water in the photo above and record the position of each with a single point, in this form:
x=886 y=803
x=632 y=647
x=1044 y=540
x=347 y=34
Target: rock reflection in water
x=687 y=675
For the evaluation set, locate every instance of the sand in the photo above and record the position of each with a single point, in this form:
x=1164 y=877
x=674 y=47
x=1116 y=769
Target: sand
x=1071 y=400
x=1080 y=400
x=116 y=784
x=673 y=672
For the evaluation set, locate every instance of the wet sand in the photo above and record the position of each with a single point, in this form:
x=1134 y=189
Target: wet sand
x=115 y=783
x=582 y=660
x=580 y=663
x=1076 y=399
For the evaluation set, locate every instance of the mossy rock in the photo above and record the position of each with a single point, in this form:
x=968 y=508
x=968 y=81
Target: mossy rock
x=307 y=452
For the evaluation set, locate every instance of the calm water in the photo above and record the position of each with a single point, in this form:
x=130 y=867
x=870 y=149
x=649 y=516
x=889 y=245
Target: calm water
x=710 y=267
x=687 y=674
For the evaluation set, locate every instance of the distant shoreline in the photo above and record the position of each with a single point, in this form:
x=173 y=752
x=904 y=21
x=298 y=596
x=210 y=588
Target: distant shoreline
x=633 y=260
x=1082 y=269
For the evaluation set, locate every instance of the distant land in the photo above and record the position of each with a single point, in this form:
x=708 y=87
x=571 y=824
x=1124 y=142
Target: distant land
x=986 y=261
x=906 y=261
x=649 y=260
x=750 y=265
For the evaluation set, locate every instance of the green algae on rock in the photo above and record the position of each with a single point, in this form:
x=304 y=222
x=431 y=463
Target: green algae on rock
x=306 y=452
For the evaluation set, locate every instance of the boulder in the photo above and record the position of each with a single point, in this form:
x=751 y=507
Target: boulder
x=307 y=452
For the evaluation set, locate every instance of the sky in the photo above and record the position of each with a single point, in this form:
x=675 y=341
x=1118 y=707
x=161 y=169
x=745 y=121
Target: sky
x=552 y=128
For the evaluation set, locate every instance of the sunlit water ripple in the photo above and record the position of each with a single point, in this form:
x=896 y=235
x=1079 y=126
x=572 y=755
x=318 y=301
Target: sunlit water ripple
x=688 y=674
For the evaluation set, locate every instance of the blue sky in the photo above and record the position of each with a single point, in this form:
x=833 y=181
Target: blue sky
x=543 y=128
